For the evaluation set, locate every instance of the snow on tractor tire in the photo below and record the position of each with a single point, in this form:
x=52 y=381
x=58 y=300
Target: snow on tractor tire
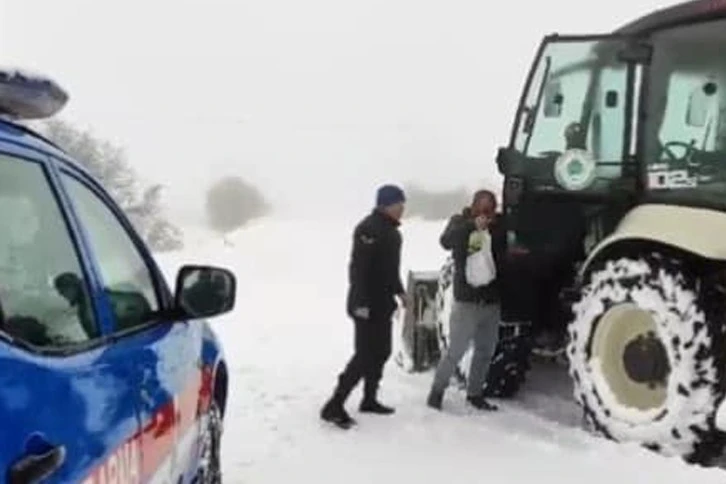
x=646 y=351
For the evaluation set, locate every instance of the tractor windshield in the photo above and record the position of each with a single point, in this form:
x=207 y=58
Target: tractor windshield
x=573 y=124
x=685 y=136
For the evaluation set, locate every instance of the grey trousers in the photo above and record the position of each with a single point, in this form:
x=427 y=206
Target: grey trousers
x=470 y=323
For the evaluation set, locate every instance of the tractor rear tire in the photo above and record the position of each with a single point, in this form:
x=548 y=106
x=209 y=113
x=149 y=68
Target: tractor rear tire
x=647 y=359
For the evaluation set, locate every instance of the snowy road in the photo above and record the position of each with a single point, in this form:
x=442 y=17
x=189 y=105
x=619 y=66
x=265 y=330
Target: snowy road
x=288 y=339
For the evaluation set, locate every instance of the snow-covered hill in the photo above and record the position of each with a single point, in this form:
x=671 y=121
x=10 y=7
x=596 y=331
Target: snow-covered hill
x=288 y=339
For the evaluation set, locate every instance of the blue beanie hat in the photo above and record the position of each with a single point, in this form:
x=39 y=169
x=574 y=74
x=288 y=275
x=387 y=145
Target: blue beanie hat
x=389 y=195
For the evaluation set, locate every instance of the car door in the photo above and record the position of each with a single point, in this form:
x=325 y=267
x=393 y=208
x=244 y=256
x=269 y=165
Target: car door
x=166 y=355
x=66 y=393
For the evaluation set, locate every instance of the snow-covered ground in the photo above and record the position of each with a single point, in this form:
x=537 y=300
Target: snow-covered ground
x=288 y=339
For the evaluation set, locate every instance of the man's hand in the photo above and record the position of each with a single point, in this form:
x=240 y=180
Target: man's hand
x=362 y=313
x=481 y=222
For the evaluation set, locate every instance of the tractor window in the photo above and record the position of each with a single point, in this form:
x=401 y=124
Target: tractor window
x=576 y=103
x=685 y=140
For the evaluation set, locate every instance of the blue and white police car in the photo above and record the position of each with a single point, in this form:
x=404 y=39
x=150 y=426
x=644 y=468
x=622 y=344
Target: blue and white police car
x=106 y=375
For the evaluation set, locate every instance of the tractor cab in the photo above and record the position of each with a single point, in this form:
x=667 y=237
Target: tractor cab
x=610 y=123
x=615 y=186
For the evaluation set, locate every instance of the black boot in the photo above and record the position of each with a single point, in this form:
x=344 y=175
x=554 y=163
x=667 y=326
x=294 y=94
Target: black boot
x=370 y=403
x=334 y=412
x=334 y=409
x=376 y=407
x=435 y=399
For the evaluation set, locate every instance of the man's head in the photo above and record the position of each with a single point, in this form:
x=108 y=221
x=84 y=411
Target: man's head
x=391 y=200
x=484 y=203
x=70 y=287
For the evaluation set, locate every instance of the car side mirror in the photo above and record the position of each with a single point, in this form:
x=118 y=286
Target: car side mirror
x=204 y=291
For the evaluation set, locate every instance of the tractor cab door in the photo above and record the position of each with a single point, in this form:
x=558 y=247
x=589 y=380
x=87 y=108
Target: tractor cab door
x=569 y=170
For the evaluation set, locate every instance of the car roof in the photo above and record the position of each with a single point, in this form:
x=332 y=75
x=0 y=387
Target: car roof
x=25 y=137
x=683 y=13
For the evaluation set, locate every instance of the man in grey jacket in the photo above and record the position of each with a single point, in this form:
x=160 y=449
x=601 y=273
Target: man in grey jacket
x=475 y=313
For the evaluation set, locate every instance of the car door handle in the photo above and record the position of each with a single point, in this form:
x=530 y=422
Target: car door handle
x=36 y=467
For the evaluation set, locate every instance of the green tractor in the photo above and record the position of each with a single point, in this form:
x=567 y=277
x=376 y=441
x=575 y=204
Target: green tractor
x=615 y=193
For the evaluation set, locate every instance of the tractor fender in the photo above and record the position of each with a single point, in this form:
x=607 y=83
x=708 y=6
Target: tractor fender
x=698 y=231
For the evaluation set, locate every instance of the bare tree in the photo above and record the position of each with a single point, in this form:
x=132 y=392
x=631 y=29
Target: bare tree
x=232 y=202
x=146 y=216
x=109 y=165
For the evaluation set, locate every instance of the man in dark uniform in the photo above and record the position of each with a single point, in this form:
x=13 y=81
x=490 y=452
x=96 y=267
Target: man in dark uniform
x=375 y=282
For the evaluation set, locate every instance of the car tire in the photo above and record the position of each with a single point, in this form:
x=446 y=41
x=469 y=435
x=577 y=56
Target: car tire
x=646 y=356
x=210 y=465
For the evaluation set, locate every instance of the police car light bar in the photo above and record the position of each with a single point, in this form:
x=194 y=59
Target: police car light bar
x=25 y=96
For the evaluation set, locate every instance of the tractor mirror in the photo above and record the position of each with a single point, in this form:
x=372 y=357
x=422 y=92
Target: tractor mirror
x=510 y=162
x=502 y=160
x=699 y=103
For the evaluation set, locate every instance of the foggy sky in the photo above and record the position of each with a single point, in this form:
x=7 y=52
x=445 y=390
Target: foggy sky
x=316 y=101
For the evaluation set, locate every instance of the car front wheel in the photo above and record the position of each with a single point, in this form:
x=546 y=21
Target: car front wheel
x=210 y=467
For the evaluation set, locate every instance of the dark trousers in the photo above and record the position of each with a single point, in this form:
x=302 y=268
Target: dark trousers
x=372 y=350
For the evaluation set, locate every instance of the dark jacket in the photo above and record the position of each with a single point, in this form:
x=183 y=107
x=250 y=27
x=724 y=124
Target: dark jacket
x=374 y=269
x=456 y=239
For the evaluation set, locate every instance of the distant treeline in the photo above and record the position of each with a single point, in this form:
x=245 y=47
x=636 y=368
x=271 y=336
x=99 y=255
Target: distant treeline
x=435 y=205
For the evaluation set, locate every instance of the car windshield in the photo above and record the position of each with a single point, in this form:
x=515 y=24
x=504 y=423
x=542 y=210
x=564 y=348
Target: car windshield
x=685 y=139
x=575 y=108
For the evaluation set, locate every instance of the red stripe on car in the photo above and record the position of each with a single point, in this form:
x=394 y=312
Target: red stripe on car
x=141 y=456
